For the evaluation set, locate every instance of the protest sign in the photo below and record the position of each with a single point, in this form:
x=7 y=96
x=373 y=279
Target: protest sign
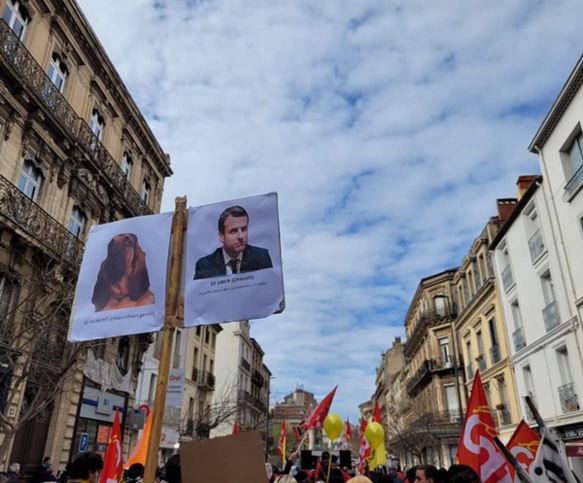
x=175 y=389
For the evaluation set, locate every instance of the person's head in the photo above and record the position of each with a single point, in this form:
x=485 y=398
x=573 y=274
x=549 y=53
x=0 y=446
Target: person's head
x=86 y=466
x=359 y=479
x=14 y=467
x=429 y=474
x=325 y=457
x=46 y=460
x=233 y=230
x=135 y=471
x=462 y=474
x=410 y=474
x=286 y=479
x=172 y=471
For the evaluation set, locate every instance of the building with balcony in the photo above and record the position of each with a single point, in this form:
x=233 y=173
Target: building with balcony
x=242 y=379
x=558 y=143
x=539 y=309
x=76 y=151
x=481 y=334
x=433 y=403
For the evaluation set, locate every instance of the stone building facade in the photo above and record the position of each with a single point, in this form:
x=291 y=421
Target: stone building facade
x=75 y=151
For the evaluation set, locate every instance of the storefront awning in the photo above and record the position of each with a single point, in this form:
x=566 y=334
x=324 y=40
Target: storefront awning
x=574 y=448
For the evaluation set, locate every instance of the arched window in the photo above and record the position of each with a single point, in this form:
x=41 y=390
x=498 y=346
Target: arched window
x=97 y=123
x=58 y=72
x=123 y=355
x=77 y=222
x=17 y=17
x=127 y=165
x=30 y=180
x=146 y=191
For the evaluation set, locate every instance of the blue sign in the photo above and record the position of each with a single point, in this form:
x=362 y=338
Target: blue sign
x=84 y=442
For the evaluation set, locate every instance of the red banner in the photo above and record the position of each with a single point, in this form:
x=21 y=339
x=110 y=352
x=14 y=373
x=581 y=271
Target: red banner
x=113 y=463
x=348 y=431
x=477 y=448
x=282 y=439
x=317 y=416
x=364 y=451
x=523 y=445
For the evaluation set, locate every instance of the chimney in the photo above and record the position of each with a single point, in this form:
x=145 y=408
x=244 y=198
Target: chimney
x=397 y=341
x=524 y=182
x=505 y=207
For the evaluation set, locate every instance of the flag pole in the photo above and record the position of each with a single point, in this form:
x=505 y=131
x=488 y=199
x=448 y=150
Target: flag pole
x=171 y=319
x=520 y=472
x=533 y=409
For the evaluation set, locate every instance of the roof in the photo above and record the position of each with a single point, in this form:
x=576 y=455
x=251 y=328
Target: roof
x=562 y=102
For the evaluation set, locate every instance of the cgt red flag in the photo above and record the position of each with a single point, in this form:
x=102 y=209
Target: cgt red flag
x=282 y=440
x=364 y=451
x=477 y=448
x=236 y=427
x=113 y=463
x=317 y=416
x=376 y=414
x=523 y=445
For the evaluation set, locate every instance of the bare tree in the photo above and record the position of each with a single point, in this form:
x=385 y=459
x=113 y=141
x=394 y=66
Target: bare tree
x=36 y=360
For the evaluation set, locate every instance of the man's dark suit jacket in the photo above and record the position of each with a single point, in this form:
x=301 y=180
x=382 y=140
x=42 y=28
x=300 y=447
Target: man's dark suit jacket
x=213 y=265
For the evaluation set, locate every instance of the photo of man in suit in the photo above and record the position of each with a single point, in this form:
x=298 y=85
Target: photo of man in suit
x=235 y=255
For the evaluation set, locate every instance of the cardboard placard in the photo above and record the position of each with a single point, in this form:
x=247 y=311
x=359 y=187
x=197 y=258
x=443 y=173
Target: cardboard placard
x=228 y=459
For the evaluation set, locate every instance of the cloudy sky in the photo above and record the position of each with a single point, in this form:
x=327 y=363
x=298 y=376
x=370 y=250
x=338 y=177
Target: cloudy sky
x=388 y=128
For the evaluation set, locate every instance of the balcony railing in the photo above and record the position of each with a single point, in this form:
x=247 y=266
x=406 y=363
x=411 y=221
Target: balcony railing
x=37 y=223
x=437 y=418
x=33 y=76
x=574 y=185
x=507 y=279
x=245 y=364
x=246 y=396
x=495 y=354
x=536 y=245
x=519 y=339
x=258 y=379
x=481 y=360
x=568 y=398
x=551 y=316
x=206 y=379
x=427 y=319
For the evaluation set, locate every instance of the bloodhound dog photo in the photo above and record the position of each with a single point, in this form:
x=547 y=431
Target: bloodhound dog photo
x=123 y=280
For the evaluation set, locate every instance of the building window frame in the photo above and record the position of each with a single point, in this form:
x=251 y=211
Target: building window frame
x=58 y=72
x=127 y=165
x=146 y=191
x=97 y=124
x=77 y=221
x=30 y=179
x=17 y=17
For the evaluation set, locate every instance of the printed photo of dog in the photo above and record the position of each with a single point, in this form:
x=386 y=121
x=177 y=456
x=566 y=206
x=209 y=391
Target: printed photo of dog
x=123 y=280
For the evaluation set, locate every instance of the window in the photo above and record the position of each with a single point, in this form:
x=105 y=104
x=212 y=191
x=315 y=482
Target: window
x=564 y=366
x=575 y=153
x=529 y=386
x=495 y=347
x=30 y=180
x=198 y=330
x=439 y=304
x=57 y=72
x=7 y=297
x=126 y=165
x=152 y=387
x=97 y=124
x=504 y=417
x=507 y=279
x=212 y=367
x=482 y=268
x=177 y=347
x=146 y=190
x=518 y=334
x=204 y=359
x=207 y=336
x=470 y=366
x=123 y=355
x=451 y=402
x=467 y=296
x=550 y=312
x=567 y=394
x=195 y=362
x=535 y=239
x=77 y=222
x=17 y=17
x=481 y=358
x=444 y=351
x=214 y=343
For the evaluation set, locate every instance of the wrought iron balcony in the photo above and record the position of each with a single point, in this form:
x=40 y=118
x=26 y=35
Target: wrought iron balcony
x=246 y=396
x=34 y=77
x=551 y=316
x=519 y=339
x=190 y=427
x=481 y=360
x=37 y=223
x=536 y=245
x=507 y=279
x=206 y=379
x=470 y=371
x=574 y=185
x=495 y=354
x=438 y=418
x=245 y=364
x=195 y=373
x=568 y=398
x=420 y=377
x=258 y=379
x=428 y=319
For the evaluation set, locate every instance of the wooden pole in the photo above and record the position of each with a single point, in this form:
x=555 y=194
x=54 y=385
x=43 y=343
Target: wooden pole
x=179 y=223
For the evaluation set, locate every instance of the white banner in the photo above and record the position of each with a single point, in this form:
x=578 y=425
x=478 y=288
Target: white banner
x=175 y=388
x=233 y=261
x=121 y=288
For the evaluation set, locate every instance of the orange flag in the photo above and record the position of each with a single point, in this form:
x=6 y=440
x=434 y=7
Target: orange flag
x=317 y=416
x=236 y=427
x=523 y=445
x=140 y=449
x=477 y=448
x=113 y=463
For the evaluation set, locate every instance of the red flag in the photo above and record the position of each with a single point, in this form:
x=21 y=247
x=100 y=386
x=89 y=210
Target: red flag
x=477 y=448
x=523 y=445
x=113 y=463
x=236 y=427
x=364 y=451
x=348 y=431
x=317 y=416
x=376 y=414
x=282 y=439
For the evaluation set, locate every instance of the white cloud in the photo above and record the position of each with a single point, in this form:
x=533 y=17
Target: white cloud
x=388 y=129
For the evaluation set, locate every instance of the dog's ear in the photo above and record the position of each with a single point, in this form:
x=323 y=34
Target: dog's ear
x=138 y=280
x=102 y=289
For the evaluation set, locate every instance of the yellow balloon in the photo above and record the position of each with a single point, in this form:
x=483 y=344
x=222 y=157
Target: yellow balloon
x=375 y=434
x=333 y=426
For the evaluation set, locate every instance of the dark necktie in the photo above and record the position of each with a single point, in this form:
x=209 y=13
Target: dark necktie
x=233 y=264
